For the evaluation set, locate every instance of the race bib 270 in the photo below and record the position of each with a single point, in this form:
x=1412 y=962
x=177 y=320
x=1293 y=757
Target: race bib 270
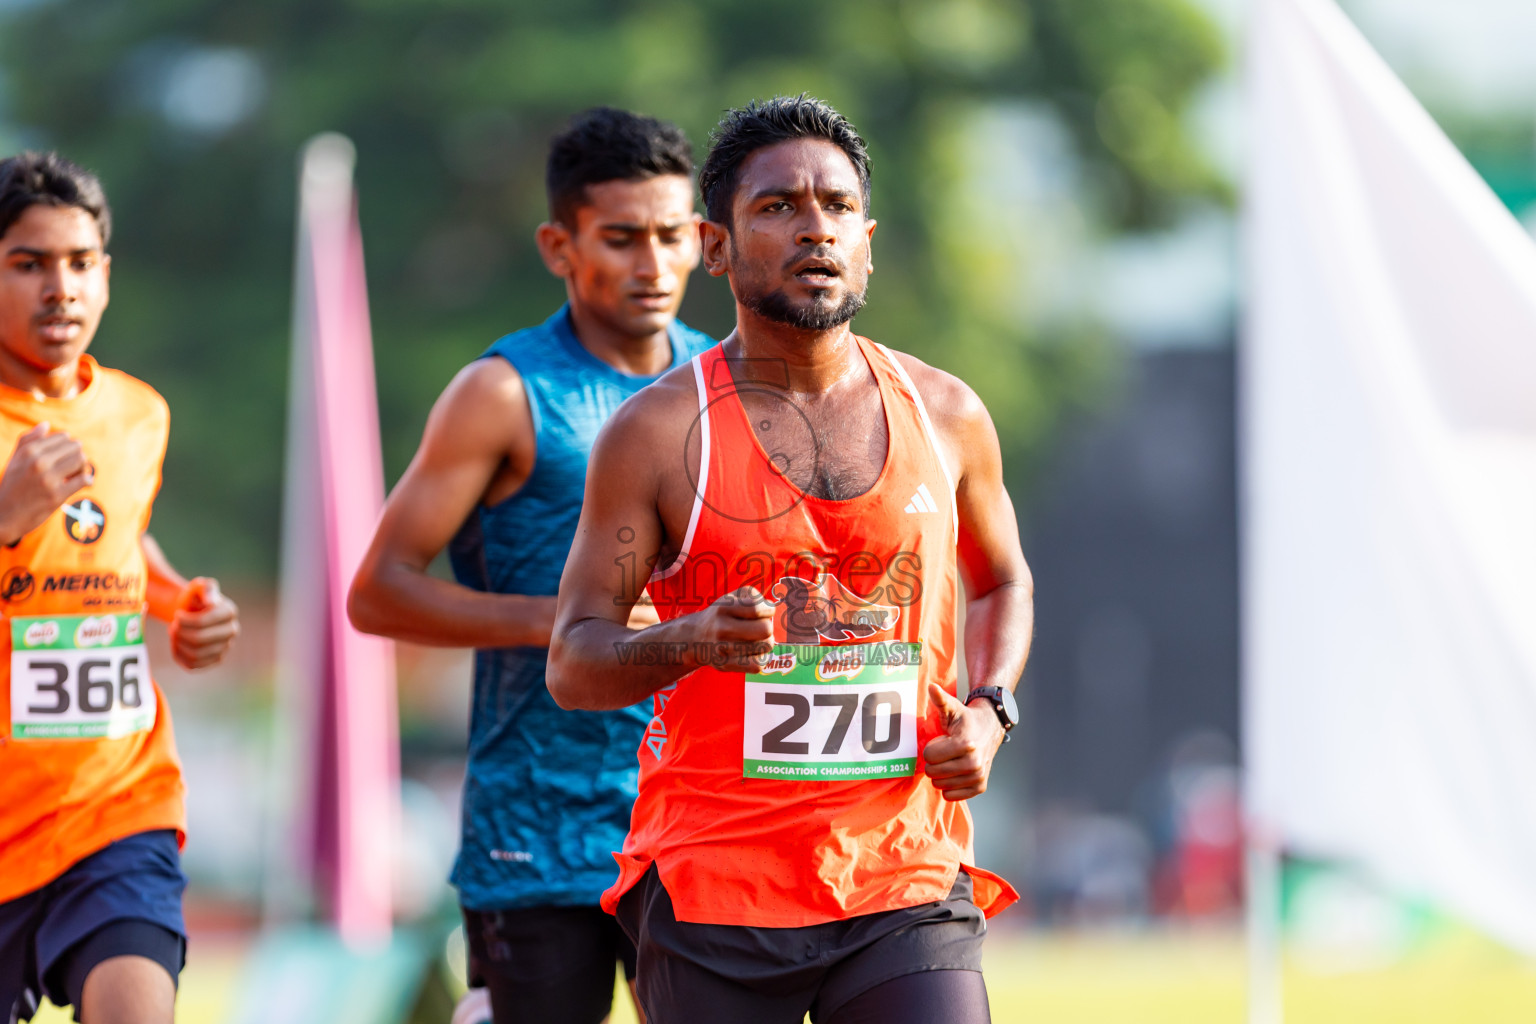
x=833 y=714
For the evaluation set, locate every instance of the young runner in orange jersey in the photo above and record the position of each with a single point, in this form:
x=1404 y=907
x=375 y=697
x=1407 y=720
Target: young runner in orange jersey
x=811 y=503
x=91 y=808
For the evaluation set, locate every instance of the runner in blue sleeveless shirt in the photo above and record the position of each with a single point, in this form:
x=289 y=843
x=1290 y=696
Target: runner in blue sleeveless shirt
x=498 y=481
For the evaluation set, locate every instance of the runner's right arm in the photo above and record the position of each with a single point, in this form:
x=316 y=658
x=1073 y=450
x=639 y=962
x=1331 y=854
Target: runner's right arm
x=478 y=443
x=42 y=473
x=596 y=661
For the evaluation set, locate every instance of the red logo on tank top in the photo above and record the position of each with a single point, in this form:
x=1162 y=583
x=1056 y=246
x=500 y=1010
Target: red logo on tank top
x=824 y=611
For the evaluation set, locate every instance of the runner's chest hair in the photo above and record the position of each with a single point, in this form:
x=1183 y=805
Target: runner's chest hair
x=830 y=446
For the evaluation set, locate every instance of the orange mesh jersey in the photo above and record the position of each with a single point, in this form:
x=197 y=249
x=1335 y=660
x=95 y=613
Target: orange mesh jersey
x=795 y=796
x=86 y=751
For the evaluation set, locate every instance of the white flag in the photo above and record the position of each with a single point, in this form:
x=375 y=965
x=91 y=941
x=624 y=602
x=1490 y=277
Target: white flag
x=1388 y=389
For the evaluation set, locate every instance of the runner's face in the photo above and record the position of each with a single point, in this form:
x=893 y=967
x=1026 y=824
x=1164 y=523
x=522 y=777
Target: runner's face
x=635 y=243
x=800 y=236
x=53 y=286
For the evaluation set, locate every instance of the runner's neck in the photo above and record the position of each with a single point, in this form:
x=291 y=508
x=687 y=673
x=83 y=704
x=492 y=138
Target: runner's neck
x=644 y=356
x=803 y=362
x=62 y=382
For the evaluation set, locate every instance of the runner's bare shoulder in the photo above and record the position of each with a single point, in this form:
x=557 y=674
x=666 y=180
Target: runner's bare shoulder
x=956 y=410
x=485 y=407
x=652 y=441
x=657 y=418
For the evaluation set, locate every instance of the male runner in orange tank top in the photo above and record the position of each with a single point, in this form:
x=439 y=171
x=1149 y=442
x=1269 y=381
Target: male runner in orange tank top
x=806 y=504
x=91 y=794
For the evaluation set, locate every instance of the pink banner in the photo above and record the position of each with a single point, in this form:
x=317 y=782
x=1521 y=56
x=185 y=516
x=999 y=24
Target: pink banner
x=336 y=485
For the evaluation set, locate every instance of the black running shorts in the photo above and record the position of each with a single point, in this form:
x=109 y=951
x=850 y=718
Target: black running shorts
x=689 y=973
x=546 y=965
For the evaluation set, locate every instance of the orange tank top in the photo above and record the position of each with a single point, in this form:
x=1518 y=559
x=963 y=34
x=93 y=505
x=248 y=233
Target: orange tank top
x=86 y=751
x=795 y=796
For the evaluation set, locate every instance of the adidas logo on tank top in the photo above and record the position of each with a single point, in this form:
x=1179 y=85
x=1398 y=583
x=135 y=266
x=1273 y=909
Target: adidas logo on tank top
x=921 y=501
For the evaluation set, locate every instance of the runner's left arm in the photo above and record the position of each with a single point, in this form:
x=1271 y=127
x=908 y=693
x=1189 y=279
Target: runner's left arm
x=202 y=621
x=999 y=612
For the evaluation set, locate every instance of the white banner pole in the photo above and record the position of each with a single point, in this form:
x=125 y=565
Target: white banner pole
x=1266 y=990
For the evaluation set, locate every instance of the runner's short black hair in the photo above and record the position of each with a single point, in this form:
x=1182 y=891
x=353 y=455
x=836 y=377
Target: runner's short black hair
x=745 y=130
x=604 y=144
x=47 y=179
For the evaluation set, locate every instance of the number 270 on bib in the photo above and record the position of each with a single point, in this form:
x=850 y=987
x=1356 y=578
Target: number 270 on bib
x=824 y=714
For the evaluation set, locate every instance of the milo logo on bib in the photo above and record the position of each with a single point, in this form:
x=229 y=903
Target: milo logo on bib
x=833 y=713
x=95 y=631
x=79 y=677
x=40 y=634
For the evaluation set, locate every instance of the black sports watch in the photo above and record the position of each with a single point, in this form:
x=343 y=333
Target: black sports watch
x=1001 y=699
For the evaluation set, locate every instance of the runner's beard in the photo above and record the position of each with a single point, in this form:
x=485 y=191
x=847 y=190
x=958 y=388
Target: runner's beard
x=818 y=316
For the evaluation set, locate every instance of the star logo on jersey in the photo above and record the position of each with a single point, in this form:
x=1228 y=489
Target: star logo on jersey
x=823 y=610
x=16 y=585
x=84 y=521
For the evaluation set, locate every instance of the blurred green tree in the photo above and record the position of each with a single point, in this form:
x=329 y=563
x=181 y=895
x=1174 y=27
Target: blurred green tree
x=193 y=113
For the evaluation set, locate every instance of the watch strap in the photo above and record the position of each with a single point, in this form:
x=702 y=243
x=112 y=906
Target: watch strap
x=994 y=696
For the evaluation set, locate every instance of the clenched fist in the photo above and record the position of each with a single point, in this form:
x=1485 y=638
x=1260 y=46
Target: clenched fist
x=735 y=634
x=960 y=758
x=205 y=624
x=43 y=472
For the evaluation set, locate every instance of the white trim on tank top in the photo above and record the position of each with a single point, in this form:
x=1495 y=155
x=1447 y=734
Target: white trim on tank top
x=933 y=437
x=698 y=491
x=698 y=495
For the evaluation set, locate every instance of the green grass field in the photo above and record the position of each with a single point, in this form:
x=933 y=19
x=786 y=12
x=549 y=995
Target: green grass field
x=1154 y=978
x=1170 y=979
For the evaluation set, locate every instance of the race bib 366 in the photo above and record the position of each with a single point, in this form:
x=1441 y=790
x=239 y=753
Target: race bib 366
x=80 y=677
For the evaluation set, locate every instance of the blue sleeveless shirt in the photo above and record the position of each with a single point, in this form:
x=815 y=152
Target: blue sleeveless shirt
x=547 y=793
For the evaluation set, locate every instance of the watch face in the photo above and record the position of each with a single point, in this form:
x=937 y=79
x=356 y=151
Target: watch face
x=1010 y=706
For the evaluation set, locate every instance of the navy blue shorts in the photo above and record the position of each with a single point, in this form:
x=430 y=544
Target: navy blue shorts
x=125 y=899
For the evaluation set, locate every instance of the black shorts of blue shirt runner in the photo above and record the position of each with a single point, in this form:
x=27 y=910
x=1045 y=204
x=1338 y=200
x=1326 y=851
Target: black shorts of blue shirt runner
x=917 y=965
x=546 y=965
x=123 y=900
